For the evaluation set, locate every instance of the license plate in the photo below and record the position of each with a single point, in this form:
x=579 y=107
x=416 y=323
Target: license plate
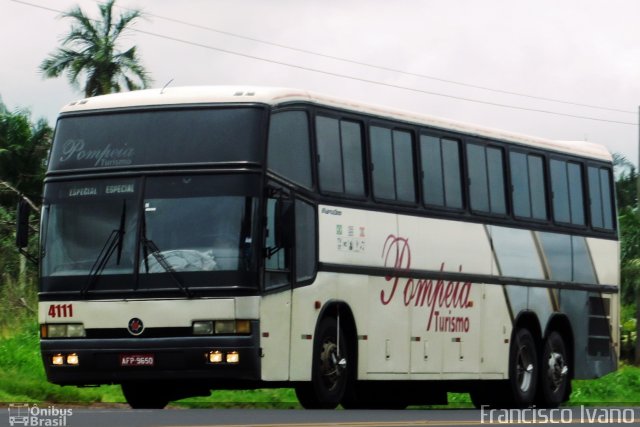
x=136 y=360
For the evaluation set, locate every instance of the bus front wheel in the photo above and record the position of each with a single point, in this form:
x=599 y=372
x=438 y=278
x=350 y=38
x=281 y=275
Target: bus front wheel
x=329 y=368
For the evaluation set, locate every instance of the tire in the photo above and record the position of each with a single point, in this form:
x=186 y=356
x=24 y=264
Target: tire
x=145 y=395
x=523 y=369
x=329 y=369
x=554 y=380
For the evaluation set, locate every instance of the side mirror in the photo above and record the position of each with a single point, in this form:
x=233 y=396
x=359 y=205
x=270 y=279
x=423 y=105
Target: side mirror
x=284 y=224
x=22 y=230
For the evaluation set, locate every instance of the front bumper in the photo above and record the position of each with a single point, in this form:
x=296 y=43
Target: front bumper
x=175 y=358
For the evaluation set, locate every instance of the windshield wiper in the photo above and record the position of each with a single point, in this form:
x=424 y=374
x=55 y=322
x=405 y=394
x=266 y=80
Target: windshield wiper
x=149 y=245
x=113 y=243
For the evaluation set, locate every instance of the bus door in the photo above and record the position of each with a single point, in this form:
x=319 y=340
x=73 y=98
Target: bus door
x=275 y=305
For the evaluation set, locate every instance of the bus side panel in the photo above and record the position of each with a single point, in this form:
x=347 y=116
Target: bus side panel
x=275 y=325
x=447 y=321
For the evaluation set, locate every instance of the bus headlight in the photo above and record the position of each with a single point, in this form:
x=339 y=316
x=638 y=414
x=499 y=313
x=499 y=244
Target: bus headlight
x=221 y=327
x=63 y=330
x=225 y=326
x=203 y=328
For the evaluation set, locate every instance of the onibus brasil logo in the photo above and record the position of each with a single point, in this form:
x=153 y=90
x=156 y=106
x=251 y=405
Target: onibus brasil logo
x=24 y=414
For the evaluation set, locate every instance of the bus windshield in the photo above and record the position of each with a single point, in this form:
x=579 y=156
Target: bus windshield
x=167 y=136
x=134 y=233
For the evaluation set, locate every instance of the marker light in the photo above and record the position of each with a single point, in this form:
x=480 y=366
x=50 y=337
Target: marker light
x=215 y=357
x=72 y=359
x=233 y=357
x=243 y=327
x=57 y=360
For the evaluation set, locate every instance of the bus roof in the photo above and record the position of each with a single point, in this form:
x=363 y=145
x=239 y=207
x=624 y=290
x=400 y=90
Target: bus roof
x=277 y=96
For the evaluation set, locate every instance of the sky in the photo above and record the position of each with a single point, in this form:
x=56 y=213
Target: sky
x=451 y=59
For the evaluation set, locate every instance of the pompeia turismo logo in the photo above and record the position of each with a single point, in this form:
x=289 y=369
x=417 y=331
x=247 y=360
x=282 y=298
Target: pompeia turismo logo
x=441 y=297
x=24 y=414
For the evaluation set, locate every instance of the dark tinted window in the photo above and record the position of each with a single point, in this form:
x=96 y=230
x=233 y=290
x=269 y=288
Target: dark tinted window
x=382 y=159
x=289 y=152
x=495 y=168
x=329 y=155
x=537 y=187
x=600 y=197
x=566 y=186
x=352 y=157
x=157 y=137
x=392 y=157
x=441 y=171
x=486 y=179
x=403 y=162
x=340 y=156
x=451 y=170
x=527 y=180
x=305 y=241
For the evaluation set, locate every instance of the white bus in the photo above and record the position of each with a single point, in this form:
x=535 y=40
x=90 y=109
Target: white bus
x=226 y=238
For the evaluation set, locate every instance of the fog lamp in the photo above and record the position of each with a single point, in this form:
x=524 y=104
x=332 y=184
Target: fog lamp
x=215 y=357
x=233 y=357
x=57 y=359
x=72 y=359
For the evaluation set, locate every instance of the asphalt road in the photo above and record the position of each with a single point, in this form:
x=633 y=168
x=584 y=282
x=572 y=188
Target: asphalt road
x=101 y=417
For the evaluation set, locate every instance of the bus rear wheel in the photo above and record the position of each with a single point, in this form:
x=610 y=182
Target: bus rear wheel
x=554 y=372
x=523 y=368
x=329 y=368
x=141 y=395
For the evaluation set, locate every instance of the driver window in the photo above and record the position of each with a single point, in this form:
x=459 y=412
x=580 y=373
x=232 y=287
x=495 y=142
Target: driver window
x=277 y=258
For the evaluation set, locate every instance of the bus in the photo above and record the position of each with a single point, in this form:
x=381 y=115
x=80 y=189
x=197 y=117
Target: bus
x=208 y=238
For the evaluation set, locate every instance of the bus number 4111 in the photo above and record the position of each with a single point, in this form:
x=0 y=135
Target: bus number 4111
x=61 y=310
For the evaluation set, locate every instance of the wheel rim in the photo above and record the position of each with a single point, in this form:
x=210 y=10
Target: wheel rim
x=557 y=370
x=524 y=368
x=333 y=365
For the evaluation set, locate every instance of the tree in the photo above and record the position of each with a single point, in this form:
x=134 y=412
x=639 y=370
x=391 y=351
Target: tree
x=91 y=48
x=24 y=146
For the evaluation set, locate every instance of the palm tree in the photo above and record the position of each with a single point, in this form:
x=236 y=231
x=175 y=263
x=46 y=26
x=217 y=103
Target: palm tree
x=91 y=48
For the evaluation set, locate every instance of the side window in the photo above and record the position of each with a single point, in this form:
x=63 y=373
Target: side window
x=566 y=187
x=528 y=188
x=441 y=181
x=486 y=179
x=340 y=165
x=392 y=158
x=289 y=152
x=305 y=241
x=600 y=197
